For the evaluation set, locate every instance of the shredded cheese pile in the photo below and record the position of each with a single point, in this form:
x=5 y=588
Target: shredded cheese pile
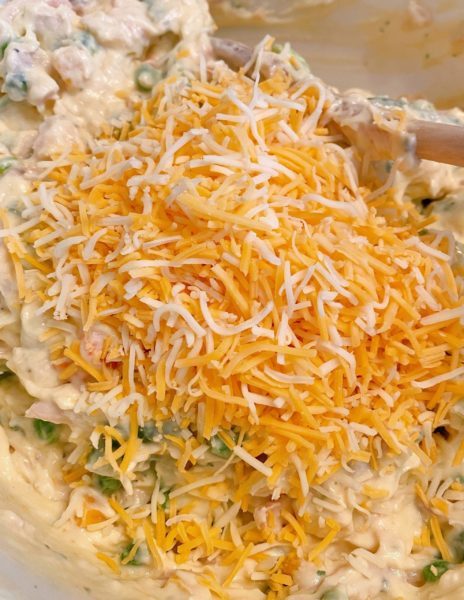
x=217 y=263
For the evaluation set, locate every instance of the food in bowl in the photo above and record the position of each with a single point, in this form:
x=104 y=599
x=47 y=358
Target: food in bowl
x=231 y=333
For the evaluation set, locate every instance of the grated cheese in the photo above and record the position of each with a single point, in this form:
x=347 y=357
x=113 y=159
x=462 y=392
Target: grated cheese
x=228 y=276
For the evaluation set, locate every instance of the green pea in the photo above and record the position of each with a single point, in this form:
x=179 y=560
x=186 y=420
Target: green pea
x=146 y=77
x=6 y=163
x=219 y=448
x=136 y=561
x=435 y=570
x=16 y=86
x=108 y=485
x=46 y=431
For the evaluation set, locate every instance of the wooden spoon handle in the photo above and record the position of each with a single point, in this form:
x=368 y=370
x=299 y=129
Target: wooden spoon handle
x=440 y=142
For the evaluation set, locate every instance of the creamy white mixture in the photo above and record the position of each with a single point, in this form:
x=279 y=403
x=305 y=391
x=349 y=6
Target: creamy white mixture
x=72 y=71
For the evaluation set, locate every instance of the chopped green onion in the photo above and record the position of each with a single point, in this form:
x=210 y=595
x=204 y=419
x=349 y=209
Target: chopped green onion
x=3 y=47
x=108 y=485
x=46 y=431
x=435 y=570
x=219 y=448
x=147 y=432
x=321 y=573
x=136 y=561
x=146 y=77
x=6 y=163
x=16 y=86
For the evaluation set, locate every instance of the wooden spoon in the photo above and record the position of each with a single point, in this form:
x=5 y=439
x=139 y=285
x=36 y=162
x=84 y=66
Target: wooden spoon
x=439 y=142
